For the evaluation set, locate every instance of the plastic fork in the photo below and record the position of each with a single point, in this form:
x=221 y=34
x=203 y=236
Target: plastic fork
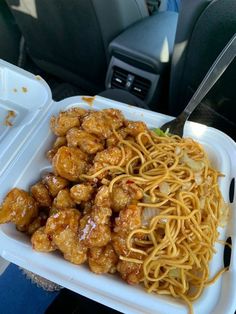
x=221 y=63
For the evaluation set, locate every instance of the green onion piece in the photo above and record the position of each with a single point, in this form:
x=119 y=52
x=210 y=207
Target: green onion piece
x=159 y=132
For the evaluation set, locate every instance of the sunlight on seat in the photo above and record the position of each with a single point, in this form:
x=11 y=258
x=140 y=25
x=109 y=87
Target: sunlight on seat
x=165 y=56
x=27 y=7
x=179 y=50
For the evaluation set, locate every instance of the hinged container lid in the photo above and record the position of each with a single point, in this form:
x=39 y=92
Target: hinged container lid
x=24 y=100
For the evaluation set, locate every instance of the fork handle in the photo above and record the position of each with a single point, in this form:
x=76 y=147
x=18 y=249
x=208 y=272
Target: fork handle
x=216 y=70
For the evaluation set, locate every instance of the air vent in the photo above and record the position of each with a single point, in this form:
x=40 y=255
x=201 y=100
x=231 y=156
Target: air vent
x=136 y=85
x=140 y=87
x=119 y=78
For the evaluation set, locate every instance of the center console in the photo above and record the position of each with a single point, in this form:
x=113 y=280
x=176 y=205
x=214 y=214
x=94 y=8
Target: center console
x=140 y=56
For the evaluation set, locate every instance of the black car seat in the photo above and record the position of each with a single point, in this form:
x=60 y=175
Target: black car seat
x=69 y=38
x=204 y=28
x=10 y=35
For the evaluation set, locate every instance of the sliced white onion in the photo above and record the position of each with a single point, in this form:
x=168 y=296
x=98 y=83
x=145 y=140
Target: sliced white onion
x=224 y=214
x=149 y=199
x=209 y=180
x=177 y=150
x=147 y=214
x=198 y=178
x=195 y=165
x=186 y=186
x=164 y=188
x=163 y=220
x=202 y=201
x=175 y=273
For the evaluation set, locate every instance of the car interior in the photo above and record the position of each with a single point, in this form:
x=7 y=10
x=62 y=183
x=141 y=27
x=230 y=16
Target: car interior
x=141 y=52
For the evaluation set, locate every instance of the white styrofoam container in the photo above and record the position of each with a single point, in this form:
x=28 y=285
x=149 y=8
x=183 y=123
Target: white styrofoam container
x=22 y=160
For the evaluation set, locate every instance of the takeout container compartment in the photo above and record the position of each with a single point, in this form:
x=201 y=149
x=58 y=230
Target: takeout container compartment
x=28 y=96
x=22 y=160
